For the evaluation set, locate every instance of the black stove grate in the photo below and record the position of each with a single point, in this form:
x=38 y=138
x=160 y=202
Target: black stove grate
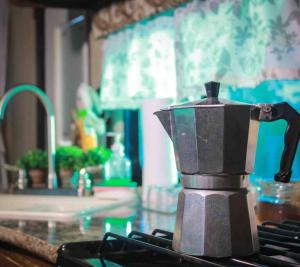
x=279 y=246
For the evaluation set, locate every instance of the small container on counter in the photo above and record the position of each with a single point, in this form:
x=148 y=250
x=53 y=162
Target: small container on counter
x=118 y=168
x=278 y=201
x=162 y=199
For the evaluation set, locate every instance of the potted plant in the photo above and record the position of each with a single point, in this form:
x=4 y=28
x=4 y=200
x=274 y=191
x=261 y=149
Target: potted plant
x=35 y=163
x=94 y=159
x=68 y=159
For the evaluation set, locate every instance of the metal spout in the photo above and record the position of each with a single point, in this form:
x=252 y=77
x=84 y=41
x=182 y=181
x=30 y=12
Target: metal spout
x=164 y=117
x=52 y=177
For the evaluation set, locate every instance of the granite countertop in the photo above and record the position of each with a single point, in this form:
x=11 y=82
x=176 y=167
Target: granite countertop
x=43 y=238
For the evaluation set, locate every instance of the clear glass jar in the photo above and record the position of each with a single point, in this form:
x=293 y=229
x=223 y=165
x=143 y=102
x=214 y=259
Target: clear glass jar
x=278 y=201
x=118 y=167
x=162 y=198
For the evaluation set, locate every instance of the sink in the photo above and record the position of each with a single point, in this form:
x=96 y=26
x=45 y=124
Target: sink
x=60 y=208
x=48 y=192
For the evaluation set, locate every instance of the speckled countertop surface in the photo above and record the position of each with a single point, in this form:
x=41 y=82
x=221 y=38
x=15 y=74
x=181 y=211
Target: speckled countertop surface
x=44 y=237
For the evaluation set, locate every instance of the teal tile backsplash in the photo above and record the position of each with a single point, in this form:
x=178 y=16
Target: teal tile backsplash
x=271 y=135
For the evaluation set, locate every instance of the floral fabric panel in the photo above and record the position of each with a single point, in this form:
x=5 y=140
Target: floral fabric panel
x=236 y=42
x=139 y=64
x=239 y=43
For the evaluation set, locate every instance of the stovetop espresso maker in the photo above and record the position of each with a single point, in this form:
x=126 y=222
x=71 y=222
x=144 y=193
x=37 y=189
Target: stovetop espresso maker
x=215 y=143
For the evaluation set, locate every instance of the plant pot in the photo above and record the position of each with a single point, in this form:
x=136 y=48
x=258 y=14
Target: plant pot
x=96 y=172
x=65 y=176
x=38 y=178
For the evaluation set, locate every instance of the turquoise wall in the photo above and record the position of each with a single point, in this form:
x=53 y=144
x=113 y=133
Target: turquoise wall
x=270 y=139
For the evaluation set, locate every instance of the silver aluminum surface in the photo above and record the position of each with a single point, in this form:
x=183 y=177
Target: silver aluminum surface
x=215 y=223
x=215 y=182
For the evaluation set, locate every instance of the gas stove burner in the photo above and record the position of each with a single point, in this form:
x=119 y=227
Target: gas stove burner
x=279 y=246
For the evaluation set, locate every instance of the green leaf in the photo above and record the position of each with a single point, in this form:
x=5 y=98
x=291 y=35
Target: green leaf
x=69 y=157
x=96 y=156
x=34 y=159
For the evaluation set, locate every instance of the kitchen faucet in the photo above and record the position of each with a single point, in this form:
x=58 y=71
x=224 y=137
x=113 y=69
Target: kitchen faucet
x=52 y=178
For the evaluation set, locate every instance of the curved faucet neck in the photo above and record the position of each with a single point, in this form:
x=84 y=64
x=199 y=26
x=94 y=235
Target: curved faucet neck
x=5 y=99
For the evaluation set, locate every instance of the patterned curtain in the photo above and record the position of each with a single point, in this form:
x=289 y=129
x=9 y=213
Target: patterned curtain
x=139 y=63
x=236 y=42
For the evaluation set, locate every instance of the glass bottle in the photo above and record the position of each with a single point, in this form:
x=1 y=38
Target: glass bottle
x=118 y=167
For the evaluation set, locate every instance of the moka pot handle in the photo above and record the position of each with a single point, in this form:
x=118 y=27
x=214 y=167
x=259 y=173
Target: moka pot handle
x=273 y=112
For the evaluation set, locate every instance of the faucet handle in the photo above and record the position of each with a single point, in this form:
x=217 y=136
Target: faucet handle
x=22 y=179
x=9 y=167
x=84 y=183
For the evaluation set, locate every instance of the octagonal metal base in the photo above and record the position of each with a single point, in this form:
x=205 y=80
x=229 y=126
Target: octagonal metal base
x=215 y=223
